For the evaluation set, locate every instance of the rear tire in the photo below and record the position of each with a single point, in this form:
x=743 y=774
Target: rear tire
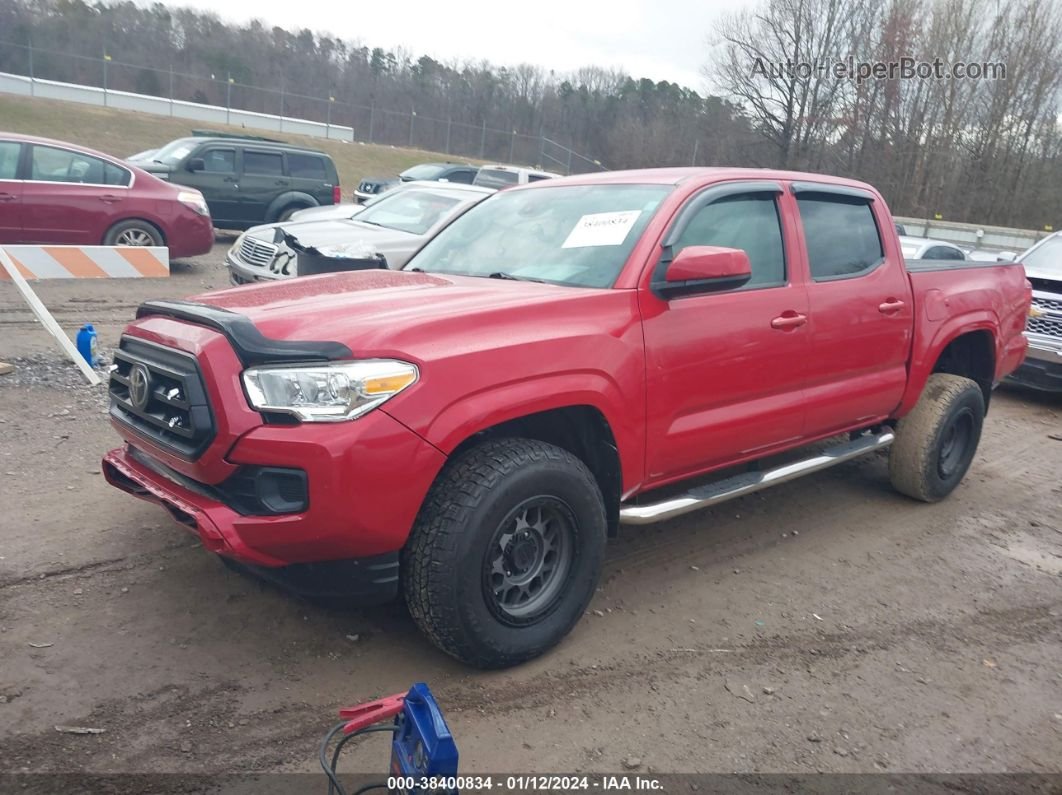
x=506 y=552
x=936 y=442
x=133 y=233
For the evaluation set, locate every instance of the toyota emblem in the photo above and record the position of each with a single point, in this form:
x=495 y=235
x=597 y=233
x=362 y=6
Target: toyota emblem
x=139 y=386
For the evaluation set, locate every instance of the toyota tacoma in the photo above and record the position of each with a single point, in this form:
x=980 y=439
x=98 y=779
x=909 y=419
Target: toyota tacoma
x=564 y=358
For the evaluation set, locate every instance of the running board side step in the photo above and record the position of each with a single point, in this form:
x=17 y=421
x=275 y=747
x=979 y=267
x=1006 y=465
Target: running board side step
x=749 y=482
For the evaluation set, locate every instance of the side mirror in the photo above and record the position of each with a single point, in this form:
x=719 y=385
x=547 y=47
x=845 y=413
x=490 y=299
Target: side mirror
x=703 y=268
x=196 y=164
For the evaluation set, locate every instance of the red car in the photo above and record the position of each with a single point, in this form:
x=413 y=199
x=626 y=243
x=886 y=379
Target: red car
x=57 y=193
x=468 y=431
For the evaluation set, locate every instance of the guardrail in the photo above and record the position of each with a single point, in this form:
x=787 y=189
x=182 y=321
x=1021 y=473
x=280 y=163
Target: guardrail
x=992 y=238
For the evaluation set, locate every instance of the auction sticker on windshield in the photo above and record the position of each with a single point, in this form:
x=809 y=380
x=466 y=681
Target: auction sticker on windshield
x=602 y=229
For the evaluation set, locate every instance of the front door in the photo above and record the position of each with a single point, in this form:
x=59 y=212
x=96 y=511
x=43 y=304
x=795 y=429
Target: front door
x=725 y=370
x=217 y=181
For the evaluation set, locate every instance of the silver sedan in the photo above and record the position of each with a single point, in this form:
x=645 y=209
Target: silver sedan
x=394 y=226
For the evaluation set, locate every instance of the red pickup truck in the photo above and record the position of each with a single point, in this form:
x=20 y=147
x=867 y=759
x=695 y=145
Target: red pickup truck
x=468 y=431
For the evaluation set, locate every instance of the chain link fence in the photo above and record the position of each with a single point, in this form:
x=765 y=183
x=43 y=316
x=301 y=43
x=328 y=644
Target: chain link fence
x=336 y=118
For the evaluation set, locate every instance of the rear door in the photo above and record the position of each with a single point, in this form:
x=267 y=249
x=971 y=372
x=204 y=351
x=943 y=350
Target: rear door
x=262 y=180
x=725 y=370
x=71 y=198
x=861 y=308
x=10 y=192
x=309 y=173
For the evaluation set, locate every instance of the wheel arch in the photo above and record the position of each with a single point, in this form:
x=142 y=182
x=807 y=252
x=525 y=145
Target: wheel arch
x=285 y=200
x=583 y=430
x=967 y=346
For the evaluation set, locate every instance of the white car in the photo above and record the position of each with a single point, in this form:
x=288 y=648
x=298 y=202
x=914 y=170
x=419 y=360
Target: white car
x=501 y=176
x=927 y=248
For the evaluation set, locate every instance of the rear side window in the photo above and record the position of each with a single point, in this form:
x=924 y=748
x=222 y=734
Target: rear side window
x=265 y=163
x=9 y=152
x=496 y=178
x=749 y=222
x=841 y=235
x=49 y=164
x=536 y=177
x=307 y=167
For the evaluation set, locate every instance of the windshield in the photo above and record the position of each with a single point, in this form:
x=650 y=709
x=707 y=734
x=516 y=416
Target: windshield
x=1046 y=258
x=413 y=211
x=174 y=152
x=428 y=171
x=578 y=235
x=496 y=178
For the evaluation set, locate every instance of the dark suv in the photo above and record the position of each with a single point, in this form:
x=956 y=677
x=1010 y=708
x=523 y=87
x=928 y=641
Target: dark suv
x=248 y=181
x=463 y=173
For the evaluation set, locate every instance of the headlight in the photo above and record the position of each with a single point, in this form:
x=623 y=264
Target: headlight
x=330 y=392
x=195 y=200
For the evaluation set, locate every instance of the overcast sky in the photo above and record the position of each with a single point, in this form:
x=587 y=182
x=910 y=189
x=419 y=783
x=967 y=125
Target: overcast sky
x=658 y=39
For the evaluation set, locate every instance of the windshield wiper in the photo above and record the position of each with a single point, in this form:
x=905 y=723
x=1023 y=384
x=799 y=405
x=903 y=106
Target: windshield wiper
x=511 y=277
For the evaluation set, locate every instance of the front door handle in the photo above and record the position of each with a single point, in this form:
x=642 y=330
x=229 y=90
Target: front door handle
x=789 y=320
x=890 y=307
x=7 y=197
x=110 y=198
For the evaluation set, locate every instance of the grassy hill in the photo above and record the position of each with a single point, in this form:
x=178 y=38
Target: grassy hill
x=122 y=133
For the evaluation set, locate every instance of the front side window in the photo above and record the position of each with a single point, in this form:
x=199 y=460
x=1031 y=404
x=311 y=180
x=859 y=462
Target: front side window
x=464 y=176
x=841 y=235
x=577 y=235
x=269 y=164
x=749 y=222
x=9 y=154
x=49 y=164
x=219 y=161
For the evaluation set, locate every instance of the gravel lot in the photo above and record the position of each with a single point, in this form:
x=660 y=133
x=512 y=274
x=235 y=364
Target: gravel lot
x=827 y=625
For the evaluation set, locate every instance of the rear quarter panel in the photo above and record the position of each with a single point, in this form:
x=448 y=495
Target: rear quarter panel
x=953 y=299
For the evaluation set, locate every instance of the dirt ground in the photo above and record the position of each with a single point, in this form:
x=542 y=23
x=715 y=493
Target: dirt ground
x=826 y=625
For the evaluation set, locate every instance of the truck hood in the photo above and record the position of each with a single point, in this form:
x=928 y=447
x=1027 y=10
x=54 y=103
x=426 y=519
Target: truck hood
x=419 y=316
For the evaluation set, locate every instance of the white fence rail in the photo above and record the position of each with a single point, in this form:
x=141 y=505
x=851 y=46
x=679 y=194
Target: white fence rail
x=174 y=108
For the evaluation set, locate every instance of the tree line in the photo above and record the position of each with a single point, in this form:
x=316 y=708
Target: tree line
x=984 y=151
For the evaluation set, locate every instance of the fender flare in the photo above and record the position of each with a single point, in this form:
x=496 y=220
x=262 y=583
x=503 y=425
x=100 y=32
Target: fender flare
x=483 y=410
x=288 y=198
x=924 y=358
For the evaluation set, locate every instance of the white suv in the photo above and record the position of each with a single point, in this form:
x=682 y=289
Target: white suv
x=499 y=176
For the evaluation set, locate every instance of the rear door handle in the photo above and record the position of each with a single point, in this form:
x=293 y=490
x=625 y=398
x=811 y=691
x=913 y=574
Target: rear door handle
x=110 y=198
x=789 y=320
x=890 y=306
x=282 y=182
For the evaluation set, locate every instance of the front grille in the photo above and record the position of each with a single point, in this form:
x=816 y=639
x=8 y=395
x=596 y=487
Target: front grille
x=1044 y=325
x=257 y=252
x=158 y=392
x=1049 y=324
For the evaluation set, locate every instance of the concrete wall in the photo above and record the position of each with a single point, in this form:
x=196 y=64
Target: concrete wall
x=160 y=106
x=992 y=238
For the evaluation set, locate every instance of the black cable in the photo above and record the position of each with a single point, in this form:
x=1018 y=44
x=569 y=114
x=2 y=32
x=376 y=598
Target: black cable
x=334 y=786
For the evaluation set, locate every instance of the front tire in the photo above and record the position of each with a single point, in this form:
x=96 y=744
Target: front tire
x=506 y=552
x=133 y=233
x=936 y=442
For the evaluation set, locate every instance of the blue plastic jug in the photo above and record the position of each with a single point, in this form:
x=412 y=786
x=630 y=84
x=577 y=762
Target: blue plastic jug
x=86 y=344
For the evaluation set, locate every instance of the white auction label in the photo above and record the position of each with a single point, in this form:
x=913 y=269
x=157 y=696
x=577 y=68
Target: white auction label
x=602 y=229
